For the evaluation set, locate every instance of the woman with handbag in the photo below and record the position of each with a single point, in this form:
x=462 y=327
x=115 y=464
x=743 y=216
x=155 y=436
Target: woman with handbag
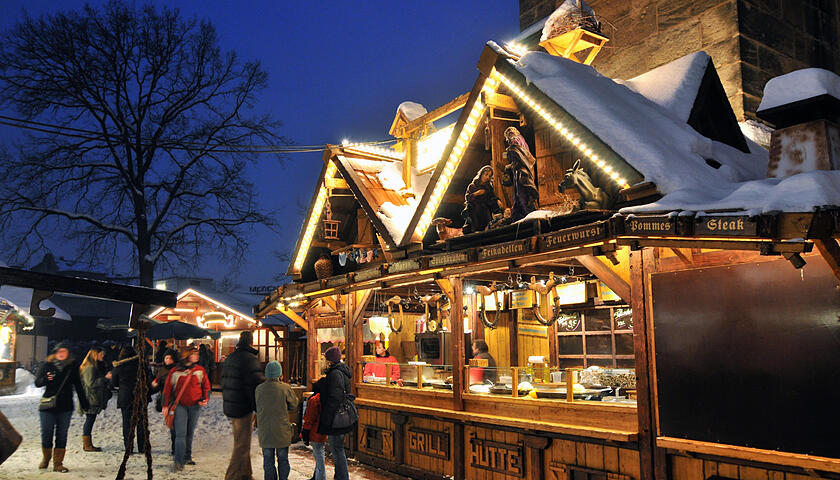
x=335 y=416
x=169 y=359
x=97 y=390
x=60 y=376
x=187 y=389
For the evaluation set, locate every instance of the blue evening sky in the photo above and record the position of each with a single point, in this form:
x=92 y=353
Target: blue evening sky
x=337 y=69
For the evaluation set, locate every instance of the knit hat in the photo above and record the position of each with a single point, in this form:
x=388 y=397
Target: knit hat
x=333 y=354
x=185 y=355
x=273 y=370
x=60 y=345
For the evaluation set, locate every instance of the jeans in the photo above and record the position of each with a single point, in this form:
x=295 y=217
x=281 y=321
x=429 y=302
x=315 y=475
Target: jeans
x=54 y=423
x=126 y=430
x=185 y=420
x=88 y=428
x=318 y=453
x=339 y=459
x=283 y=467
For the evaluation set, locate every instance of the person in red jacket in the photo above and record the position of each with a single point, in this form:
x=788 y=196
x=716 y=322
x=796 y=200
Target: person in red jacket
x=379 y=369
x=309 y=431
x=191 y=379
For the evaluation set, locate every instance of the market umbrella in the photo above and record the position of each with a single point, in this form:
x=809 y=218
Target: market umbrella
x=179 y=331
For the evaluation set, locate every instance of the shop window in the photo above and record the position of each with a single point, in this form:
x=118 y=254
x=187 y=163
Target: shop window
x=601 y=336
x=267 y=345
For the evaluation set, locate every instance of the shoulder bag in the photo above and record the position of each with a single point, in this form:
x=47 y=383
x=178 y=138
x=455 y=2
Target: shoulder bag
x=347 y=414
x=48 y=403
x=169 y=411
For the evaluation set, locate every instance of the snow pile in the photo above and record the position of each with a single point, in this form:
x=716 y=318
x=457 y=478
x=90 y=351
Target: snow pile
x=396 y=217
x=365 y=165
x=673 y=86
x=798 y=193
x=390 y=176
x=25 y=384
x=412 y=110
x=756 y=132
x=568 y=16
x=799 y=85
x=665 y=150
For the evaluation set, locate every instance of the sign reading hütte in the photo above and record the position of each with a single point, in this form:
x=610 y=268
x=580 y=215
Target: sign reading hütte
x=497 y=457
x=572 y=237
x=725 y=226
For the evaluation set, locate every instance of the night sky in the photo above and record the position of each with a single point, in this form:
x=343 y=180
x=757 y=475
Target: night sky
x=337 y=69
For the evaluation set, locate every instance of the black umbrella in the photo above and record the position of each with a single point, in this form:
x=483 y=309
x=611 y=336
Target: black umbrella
x=179 y=331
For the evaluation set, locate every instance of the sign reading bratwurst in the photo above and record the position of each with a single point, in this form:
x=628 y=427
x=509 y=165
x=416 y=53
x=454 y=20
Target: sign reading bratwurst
x=572 y=237
x=725 y=226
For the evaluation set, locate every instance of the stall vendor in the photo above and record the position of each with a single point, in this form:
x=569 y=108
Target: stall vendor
x=480 y=374
x=378 y=368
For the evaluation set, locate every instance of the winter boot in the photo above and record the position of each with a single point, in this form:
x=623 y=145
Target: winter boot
x=46 y=460
x=87 y=444
x=58 y=461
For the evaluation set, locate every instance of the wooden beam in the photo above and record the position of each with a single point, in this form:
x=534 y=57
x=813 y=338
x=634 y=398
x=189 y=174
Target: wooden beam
x=684 y=254
x=361 y=300
x=312 y=353
x=456 y=325
x=830 y=251
x=331 y=303
x=435 y=114
x=606 y=275
x=294 y=316
x=86 y=287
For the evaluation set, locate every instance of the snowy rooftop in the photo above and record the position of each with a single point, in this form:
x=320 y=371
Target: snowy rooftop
x=799 y=85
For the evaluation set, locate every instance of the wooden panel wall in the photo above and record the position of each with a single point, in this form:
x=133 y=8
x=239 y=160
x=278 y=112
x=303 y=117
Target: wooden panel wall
x=687 y=468
x=429 y=463
x=498 y=339
x=554 y=156
x=499 y=436
x=607 y=458
x=401 y=345
x=529 y=344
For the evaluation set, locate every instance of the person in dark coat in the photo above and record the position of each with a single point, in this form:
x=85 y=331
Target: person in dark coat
x=98 y=391
x=241 y=373
x=521 y=167
x=160 y=351
x=480 y=201
x=60 y=375
x=170 y=360
x=205 y=359
x=124 y=376
x=336 y=385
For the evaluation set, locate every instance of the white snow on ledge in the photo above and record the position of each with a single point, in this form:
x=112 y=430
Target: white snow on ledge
x=412 y=110
x=798 y=193
x=799 y=85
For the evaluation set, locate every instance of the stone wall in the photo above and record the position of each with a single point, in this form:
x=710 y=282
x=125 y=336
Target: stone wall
x=750 y=41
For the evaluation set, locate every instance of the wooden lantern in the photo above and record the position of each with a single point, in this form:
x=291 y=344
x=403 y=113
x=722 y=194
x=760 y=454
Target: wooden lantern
x=574 y=41
x=330 y=226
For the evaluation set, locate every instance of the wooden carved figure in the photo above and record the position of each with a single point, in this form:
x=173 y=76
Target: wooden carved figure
x=480 y=201
x=519 y=173
x=591 y=197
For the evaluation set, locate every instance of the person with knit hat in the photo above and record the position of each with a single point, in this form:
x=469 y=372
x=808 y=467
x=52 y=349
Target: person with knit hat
x=169 y=361
x=241 y=373
x=309 y=431
x=336 y=385
x=60 y=376
x=275 y=400
x=187 y=389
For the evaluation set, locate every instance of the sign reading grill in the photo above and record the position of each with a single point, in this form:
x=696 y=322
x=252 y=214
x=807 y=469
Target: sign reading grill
x=509 y=249
x=571 y=237
x=452 y=258
x=725 y=226
x=650 y=225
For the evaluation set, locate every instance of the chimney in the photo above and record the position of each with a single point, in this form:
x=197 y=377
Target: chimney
x=804 y=107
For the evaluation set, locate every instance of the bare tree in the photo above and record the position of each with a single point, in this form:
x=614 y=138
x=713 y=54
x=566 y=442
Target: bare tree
x=143 y=135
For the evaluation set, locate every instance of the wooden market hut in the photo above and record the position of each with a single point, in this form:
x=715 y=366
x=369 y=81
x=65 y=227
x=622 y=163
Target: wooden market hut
x=660 y=248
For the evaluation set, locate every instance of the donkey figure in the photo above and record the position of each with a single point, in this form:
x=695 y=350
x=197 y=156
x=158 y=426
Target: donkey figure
x=591 y=197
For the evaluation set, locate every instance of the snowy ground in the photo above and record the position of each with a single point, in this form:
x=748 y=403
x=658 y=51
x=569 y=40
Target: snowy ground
x=211 y=447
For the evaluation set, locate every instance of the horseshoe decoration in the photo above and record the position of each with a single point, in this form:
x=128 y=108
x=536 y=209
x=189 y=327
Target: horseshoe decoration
x=541 y=289
x=395 y=300
x=434 y=324
x=482 y=311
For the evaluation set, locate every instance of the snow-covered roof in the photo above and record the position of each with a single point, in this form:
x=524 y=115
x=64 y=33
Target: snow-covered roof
x=568 y=11
x=673 y=86
x=412 y=110
x=799 y=85
x=664 y=149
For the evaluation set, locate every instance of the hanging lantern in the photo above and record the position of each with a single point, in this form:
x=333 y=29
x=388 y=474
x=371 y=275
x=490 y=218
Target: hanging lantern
x=330 y=226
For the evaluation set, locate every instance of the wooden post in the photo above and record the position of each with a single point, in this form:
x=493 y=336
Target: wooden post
x=312 y=352
x=457 y=355
x=419 y=376
x=536 y=460
x=570 y=384
x=514 y=381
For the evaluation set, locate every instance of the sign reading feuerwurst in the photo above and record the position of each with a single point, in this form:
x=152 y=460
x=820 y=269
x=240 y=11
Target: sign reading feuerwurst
x=650 y=225
x=508 y=249
x=450 y=258
x=574 y=236
x=725 y=226
x=497 y=457
x=428 y=442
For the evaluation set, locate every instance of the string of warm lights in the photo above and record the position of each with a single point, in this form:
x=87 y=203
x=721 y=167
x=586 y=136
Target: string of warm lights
x=312 y=224
x=562 y=129
x=373 y=149
x=455 y=156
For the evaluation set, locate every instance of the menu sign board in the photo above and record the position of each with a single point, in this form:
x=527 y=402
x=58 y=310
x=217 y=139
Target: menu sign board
x=502 y=250
x=497 y=457
x=521 y=299
x=366 y=274
x=403 y=266
x=725 y=226
x=571 y=237
x=650 y=225
x=450 y=258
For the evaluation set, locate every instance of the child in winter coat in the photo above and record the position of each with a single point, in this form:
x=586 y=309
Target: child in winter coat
x=309 y=432
x=191 y=379
x=275 y=400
